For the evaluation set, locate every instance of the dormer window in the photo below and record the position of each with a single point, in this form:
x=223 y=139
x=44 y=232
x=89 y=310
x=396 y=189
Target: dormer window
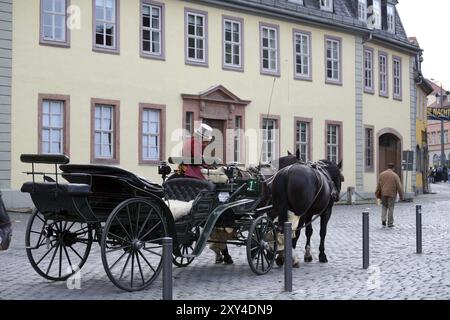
x=391 y=18
x=326 y=5
x=362 y=10
x=376 y=14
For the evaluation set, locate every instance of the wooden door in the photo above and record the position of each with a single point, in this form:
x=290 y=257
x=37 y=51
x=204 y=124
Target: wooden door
x=218 y=125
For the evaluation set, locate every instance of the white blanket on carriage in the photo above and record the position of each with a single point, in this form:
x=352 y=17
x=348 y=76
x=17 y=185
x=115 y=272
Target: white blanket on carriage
x=179 y=209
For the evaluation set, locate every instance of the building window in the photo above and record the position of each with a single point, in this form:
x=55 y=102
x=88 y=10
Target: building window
x=391 y=18
x=326 y=5
x=302 y=47
x=369 y=156
x=376 y=14
x=397 y=73
x=362 y=10
x=303 y=139
x=383 y=68
x=196 y=37
x=270 y=140
x=368 y=70
x=53 y=22
x=105 y=131
x=152 y=32
x=189 y=125
x=433 y=138
x=270 y=60
x=446 y=136
x=232 y=43
x=333 y=60
x=151 y=138
x=106 y=25
x=333 y=142
x=237 y=139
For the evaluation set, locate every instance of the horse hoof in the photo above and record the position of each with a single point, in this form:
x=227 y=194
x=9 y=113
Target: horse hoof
x=323 y=259
x=279 y=261
x=228 y=260
x=308 y=259
x=296 y=265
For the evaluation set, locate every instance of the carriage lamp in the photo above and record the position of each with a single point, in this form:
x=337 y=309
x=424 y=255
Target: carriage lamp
x=164 y=170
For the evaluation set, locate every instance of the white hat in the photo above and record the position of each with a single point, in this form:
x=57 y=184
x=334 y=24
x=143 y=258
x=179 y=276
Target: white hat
x=204 y=132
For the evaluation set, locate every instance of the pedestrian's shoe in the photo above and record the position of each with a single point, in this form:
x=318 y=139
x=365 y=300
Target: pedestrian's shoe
x=391 y=226
x=219 y=259
x=384 y=223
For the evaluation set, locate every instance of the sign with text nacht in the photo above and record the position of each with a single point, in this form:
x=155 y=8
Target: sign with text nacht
x=438 y=114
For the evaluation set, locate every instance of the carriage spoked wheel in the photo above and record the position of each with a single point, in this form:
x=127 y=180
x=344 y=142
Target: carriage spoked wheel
x=131 y=245
x=261 y=245
x=57 y=249
x=186 y=249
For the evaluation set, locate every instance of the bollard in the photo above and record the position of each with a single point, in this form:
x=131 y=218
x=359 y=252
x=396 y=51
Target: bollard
x=418 y=229
x=167 y=268
x=350 y=194
x=365 y=239
x=288 y=256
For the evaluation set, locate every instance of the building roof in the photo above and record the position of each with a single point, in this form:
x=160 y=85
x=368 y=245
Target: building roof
x=437 y=91
x=344 y=16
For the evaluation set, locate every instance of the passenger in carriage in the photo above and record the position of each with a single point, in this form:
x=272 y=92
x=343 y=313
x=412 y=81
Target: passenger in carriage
x=194 y=148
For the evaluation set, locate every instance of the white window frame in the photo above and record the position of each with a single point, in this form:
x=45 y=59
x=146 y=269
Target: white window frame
x=273 y=141
x=299 y=143
x=331 y=147
x=232 y=44
x=152 y=31
x=300 y=38
x=272 y=50
x=376 y=14
x=197 y=38
x=52 y=128
x=146 y=118
x=103 y=131
x=326 y=5
x=397 y=77
x=104 y=22
x=383 y=74
x=335 y=60
x=390 y=18
x=362 y=10
x=53 y=13
x=368 y=71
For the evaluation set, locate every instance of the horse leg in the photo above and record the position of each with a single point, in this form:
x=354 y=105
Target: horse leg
x=309 y=231
x=226 y=256
x=323 y=232
x=295 y=259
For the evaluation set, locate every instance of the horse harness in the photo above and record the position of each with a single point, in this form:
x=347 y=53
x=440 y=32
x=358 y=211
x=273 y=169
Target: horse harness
x=316 y=167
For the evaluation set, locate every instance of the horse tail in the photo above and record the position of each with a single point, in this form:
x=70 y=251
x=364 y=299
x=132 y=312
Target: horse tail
x=279 y=197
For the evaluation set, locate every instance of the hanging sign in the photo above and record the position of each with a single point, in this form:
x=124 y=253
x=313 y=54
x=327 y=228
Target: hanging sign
x=438 y=114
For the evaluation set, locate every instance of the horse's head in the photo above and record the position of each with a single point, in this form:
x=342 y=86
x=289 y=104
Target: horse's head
x=336 y=176
x=288 y=160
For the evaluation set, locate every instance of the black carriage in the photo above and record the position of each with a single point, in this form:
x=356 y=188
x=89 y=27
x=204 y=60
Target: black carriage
x=128 y=216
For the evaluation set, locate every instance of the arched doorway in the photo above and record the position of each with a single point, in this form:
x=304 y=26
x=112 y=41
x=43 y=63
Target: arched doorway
x=390 y=151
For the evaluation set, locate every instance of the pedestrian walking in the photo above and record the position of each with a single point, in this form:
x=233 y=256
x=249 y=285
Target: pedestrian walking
x=389 y=185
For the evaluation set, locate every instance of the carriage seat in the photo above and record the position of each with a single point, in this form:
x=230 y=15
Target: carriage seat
x=186 y=189
x=215 y=175
x=71 y=189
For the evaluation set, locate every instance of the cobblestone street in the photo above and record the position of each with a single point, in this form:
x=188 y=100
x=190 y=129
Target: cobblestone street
x=396 y=272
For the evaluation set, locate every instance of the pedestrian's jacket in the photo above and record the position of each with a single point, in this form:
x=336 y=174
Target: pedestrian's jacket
x=389 y=185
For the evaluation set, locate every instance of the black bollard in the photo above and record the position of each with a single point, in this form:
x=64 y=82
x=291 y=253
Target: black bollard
x=167 y=268
x=365 y=221
x=419 y=229
x=288 y=256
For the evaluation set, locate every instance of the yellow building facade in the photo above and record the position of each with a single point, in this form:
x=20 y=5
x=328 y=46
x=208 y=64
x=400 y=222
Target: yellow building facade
x=373 y=129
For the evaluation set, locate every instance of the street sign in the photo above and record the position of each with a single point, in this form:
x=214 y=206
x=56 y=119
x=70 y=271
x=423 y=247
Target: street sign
x=408 y=161
x=438 y=114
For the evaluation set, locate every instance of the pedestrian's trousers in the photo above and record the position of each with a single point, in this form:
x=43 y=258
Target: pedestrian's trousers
x=388 y=209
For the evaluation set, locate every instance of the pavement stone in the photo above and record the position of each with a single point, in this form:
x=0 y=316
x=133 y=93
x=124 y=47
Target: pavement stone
x=396 y=272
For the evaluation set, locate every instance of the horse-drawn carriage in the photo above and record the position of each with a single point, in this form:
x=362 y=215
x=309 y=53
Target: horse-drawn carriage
x=128 y=216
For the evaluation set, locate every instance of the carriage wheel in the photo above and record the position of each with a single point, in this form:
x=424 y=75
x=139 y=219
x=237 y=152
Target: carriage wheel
x=131 y=245
x=261 y=245
x=186 y=249
x=57 y=249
